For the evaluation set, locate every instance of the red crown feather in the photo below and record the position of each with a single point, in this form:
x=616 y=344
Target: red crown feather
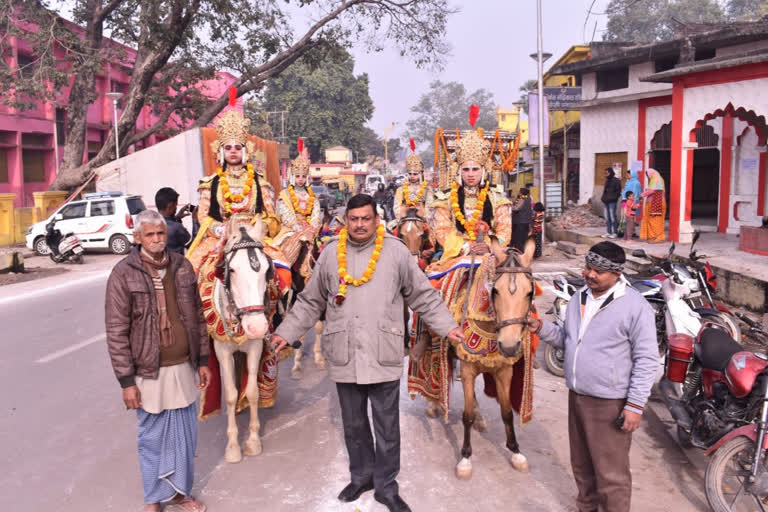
x=232 y=95
x=300 y=146
x=413 y=145
x=474 y=111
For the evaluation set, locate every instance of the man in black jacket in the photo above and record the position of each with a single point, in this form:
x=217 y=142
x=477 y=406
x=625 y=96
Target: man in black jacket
x=610 y=198
x=167 y=202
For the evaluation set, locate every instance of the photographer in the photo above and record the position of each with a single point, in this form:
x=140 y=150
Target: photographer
x=167 y=202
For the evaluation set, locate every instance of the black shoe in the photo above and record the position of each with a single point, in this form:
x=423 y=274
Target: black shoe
x=353 y=491
x=393 y=503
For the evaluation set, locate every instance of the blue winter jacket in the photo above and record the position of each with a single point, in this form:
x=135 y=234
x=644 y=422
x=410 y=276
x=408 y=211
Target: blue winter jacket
x=632 y=185
x=618 y=356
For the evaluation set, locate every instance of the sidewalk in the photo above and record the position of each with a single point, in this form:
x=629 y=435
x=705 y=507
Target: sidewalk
x=742 y=277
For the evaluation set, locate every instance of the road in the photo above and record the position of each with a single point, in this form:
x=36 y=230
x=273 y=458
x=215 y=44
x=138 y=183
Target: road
x=68 y=444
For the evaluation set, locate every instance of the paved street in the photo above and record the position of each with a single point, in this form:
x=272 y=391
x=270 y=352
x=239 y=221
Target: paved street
x=67 y=443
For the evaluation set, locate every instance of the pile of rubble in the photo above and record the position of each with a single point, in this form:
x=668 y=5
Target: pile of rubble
x=577 y=217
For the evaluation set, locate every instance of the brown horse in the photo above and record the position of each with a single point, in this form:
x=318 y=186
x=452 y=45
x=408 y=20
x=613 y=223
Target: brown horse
x=513 y=292
x=412 y=230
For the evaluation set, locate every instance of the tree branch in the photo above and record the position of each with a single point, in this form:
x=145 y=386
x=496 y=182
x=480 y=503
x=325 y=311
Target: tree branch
x=178 y=101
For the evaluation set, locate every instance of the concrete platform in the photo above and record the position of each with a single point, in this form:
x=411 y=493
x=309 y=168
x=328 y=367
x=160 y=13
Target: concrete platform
x=742 y=278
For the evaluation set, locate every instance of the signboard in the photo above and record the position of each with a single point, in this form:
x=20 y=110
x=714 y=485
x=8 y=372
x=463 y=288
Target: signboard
x=563 y=98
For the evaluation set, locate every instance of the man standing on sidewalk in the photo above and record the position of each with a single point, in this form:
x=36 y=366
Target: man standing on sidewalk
x=157 y=338
x=611 y=360
x=610 y=198
x=363 y=339
x=167 y=202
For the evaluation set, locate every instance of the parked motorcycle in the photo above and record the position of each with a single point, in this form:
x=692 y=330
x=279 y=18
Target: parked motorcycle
x=722 y=409
x=63 y=248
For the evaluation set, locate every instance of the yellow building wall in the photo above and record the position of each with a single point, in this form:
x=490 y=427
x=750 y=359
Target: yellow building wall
x=506 y=120
x=340 y=155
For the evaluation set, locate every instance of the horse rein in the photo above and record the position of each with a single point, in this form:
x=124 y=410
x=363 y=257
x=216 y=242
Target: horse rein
x=508 y=268
x=250 y=245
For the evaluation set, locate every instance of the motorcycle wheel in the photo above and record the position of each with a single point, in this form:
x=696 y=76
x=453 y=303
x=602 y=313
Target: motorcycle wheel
x=79 y=259
x=726 y=474
x=553 y=358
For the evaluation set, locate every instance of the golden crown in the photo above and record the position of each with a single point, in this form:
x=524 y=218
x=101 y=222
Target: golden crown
x=472 y=147
x=231 y=127
x=413 y=163
x=300 y=165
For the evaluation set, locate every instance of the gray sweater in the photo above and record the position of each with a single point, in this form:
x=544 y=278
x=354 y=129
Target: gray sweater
x=363 y=337
x=618 y=356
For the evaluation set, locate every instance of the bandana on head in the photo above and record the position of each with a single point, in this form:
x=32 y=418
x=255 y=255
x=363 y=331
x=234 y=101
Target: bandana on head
x=603 y=263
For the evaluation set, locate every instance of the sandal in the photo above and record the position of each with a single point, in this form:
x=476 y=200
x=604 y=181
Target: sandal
x=185 y=504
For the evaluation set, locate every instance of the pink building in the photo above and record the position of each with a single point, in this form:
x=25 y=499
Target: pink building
x=30 y=139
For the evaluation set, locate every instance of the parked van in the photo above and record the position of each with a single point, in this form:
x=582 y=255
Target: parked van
x=372 y=183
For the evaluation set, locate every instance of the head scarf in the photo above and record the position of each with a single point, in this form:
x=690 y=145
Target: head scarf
x=655 y=181
x=632 y=185
x=601 y=262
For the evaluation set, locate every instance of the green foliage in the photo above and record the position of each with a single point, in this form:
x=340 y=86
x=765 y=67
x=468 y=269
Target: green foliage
x=327 y=104
x=656 y=20
x=747 y=10
x=446 y=105
x=528 y=86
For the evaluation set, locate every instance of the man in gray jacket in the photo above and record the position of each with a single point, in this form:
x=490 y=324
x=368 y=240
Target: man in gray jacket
x=363 y=340
x=611 y=360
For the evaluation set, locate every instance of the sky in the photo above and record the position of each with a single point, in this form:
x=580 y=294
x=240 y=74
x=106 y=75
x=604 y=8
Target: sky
x=491 y=42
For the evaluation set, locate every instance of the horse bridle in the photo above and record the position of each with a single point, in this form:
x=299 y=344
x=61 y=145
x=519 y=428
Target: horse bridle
x=512 y=266
x=249 y=244
x=411 y=217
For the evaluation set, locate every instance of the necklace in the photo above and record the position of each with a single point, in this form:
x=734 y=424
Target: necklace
x=341 y=255
x=229 y=197
x=407 y=196
x=295 y=201
x=470 y=225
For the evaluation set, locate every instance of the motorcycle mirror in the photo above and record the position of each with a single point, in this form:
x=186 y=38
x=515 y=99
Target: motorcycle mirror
x=639 y=253
x=696 y=235
x=672 y=249
x=58 y=216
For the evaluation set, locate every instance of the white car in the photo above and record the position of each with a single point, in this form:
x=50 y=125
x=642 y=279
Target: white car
x=101 y=220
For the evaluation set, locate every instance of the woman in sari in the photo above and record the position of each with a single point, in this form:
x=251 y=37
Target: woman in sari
x=654 y=209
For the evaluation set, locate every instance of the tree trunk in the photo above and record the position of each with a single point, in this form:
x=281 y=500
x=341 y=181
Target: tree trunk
x=72 y=172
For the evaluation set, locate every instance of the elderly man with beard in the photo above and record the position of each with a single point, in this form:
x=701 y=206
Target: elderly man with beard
x=361 y=281
x=157 y=339
x=611 y=360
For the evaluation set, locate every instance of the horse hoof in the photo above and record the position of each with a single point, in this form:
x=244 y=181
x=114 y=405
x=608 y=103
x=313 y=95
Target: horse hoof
x=431 y=411
x=519 y=462
x=464 y=469
x=253 y=448
x=296 y=373
x=320 y=363
x=233 y=454
x=480 y=424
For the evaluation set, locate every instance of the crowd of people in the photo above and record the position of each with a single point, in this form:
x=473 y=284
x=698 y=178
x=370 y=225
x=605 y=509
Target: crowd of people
x=624 y=208
x=160 y=347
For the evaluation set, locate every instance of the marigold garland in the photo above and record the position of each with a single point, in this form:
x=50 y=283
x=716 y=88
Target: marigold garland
x=469 y=226
x=229 y=197
x=295 y=201
x=341 y=255
x=407 y=196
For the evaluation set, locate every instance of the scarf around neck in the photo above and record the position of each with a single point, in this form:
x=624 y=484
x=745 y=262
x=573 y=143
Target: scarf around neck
x=154 y=269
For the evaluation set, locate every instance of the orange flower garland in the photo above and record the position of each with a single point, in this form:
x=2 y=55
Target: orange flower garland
x=341 y=255
x=295 y=201
x=229 y=197
x=407 y=196
x=469 y=226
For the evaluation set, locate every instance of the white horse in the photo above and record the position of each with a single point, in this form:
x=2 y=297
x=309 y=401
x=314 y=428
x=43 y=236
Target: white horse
x=298 y=353
x=241 y=299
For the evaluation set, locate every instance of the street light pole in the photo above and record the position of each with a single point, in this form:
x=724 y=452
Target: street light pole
x=386 y=146
x=115 y=96
x=540 y=66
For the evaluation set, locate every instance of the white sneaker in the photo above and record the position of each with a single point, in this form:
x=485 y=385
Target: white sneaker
x=605 y=235
x=613 y=235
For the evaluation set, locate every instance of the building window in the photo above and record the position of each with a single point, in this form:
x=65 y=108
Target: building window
x=36 y=140
x=664 y=64
x=612 y=79
x=61 y=126
x=93 y=149
x=704 y=54
x=4 y=166
x=34 y=165
x=26 y=64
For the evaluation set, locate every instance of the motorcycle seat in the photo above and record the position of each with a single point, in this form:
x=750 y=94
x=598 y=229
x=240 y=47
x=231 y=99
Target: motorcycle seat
x=576 y=282
x=715 y=348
